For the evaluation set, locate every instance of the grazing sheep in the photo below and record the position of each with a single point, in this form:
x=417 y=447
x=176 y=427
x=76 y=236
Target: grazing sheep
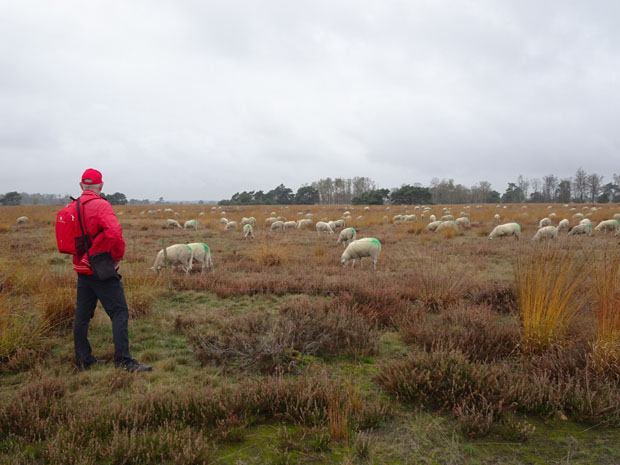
x=332 y=224
x=172 y=224
x=202 y=255
x=504 y=230
x=306 y=222
x=609 y=226
x=581 y=229
x=551 y=215
x=432 y=218
x=276 y=225
x=616 y=216
x=447 y=218
x=577 y=216
x=322 y=227
x=433 y=225
x=366 y=209
x=340 y=224
x=386 y=220
x=251 y=220
x=444 y=225
x=496 y=218
x=269 y=221
x=367 y=247
x=410 y=218
x=223 y=221
x=231 y=225
x=177 y=254
x=346 y=235
x=248 y=231
x=463 y=223
x=22 y=220
x=397 y=219
x=563 y=226
x=191 y=224
x=546 y=232
x=289 y=225
x=586 y=221
x=544 y=222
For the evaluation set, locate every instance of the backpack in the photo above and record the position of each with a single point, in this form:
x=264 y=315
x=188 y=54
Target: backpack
x=70 y=237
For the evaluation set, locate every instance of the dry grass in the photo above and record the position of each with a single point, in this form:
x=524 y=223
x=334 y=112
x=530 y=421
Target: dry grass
x=270 y=254
x=548 y=281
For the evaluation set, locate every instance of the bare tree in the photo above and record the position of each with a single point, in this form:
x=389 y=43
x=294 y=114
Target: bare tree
x=580 y=185
x=550 y=185
x=524 y=185
x=593 y=183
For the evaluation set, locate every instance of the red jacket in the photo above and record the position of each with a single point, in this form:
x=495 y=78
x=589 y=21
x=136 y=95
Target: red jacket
x=97 y=215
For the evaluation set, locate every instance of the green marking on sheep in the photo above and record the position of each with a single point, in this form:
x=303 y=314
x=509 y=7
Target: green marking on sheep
x=188 y=247
x=351 y=229
x=518 y=225
x=205 y=246
x=616 y=221
x=247 y=226
x=376 y=242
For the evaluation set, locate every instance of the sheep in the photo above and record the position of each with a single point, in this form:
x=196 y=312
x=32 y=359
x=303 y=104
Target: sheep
x=581 y=229
x=563 y=226
x=201 y=214
x=432 y=218
x=586 y=221
x=177 y=254
x=22 y=220
x=463 y=223
x=346 y=213
x=251 y=220
x=507 y=229
x=248 y=231
x=309 y=215
x=386 y=220
x=496 y=218
x=276 y=225
x=444 y=225
x=577 y=216
x=367 y=247
x=433 y=225
x=223 y=221
x=301 y=224
x=546 y=232
x=544 y=222
x=172 y=224
x=346 y=235
x=447 y=218
x=552 y=215
x=608 y=226
x=366 y=209
x=340 y=224
x=202 y=255
x=409 y=218
x=230 y=226
x=191 y=224
x=616 y=216
x=332 y=224
x=269 y=221
x=322 y=227
x=289 y=225
x=397 y=219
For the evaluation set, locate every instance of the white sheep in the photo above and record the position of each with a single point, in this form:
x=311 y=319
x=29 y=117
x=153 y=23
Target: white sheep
x=552 y=215
x=172 y=224
x=332 y=224
x=366 y=209
x=410 y=218
x=609 y=226
x=432 y=218
x=276 y=225
x=22 y=220
x=433 y=225
x=251 y=220
x=577 y=216
x=177 y=254
x=306 y=222
x=444 y=225
x=269 y=221
x=586 y=221
x=367 y=247
x=322 y=227
x=581 y=229
x=504 y=230
x=544 y=222
x=496 y=218
x=616 y=216
x=386 y=220
x=223 y=221
x=289 y=225
x=346 y=235
x=231 y=225
x=248 y=231
x=563 y=225
x=546 y=232
x=463 y=223
x=340 y=224
x=397 y=219
x=447 y=218
x=202 y=255
x=191 y=224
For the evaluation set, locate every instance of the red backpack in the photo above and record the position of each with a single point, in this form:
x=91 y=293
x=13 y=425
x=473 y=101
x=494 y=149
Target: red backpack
x=67 y=228
x=71 y=237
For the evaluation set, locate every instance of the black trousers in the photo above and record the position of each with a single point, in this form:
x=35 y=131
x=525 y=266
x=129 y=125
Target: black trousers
x=112 y=296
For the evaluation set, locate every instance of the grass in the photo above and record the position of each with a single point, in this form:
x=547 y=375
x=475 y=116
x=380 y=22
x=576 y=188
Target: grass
x=283 y=356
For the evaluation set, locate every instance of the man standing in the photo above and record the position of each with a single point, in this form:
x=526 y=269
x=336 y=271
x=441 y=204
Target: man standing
x=106 y=235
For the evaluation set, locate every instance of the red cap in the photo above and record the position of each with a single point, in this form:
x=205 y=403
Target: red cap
x=91 y=176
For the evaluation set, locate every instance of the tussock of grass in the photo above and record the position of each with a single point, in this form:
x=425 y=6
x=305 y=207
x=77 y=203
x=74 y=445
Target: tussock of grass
x=270 y=254
x=548 y=278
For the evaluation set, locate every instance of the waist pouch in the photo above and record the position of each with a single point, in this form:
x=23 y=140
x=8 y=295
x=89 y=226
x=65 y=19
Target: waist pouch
x=102 y=265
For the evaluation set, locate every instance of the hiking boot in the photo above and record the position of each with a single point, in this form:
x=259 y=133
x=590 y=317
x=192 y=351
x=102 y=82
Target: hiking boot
x=133 y=366
x=93 y=363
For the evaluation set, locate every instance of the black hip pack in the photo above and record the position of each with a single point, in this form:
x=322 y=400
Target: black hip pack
x=101 y=263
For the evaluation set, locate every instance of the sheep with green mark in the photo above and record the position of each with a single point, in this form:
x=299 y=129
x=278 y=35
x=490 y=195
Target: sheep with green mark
x=191 y=224
x=366 y=247
x=176 y=255
x=202 y=255
x=346 y=235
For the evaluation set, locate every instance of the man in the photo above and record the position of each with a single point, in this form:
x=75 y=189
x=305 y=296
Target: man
x=106 y=235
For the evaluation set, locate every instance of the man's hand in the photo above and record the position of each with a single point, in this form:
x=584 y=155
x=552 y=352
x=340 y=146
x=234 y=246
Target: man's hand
x=116 y=265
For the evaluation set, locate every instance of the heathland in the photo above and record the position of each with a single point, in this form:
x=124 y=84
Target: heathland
x=455 y=350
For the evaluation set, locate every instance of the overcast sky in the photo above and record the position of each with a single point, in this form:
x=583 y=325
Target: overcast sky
x=200 y=99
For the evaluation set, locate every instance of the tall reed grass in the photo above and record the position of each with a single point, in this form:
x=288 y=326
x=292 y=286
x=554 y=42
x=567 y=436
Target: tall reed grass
x=548 y=280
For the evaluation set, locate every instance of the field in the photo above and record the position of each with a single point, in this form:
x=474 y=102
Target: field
x=456 y=350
